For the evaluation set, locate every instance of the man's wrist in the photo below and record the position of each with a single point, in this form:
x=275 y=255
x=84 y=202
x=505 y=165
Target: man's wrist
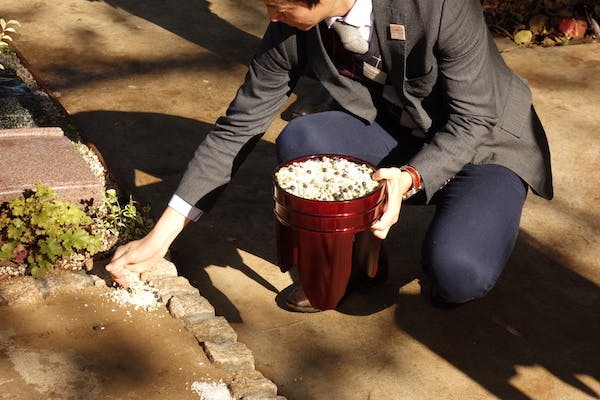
x=417 y=182
x=168 y=226
x=184 y=208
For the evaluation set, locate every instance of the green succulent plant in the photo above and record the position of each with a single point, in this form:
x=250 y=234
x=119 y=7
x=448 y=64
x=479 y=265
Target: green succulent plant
x=37 y=229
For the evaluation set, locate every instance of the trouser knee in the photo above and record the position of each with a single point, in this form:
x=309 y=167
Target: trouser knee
x=292 y=141
x=458 y=279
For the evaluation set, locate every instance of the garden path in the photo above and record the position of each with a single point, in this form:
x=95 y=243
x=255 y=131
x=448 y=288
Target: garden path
x=144 y=83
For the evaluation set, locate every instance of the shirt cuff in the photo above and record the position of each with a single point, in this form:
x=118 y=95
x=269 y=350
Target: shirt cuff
x=184 y=208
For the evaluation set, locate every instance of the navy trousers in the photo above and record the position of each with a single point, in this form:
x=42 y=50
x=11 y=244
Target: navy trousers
x=476 y=221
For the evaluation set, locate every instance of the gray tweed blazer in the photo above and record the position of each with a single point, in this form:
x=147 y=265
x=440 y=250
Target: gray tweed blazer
x=445 y=69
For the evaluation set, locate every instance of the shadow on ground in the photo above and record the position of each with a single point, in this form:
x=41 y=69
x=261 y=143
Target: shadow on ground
x=81 y=346
x=193 y=20
x=510 y=343
x=528 y=321
x=146 y=153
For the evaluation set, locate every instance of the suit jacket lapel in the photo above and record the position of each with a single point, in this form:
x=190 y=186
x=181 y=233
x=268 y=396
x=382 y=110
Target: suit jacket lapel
x=393 y=50
x=318 y=58
x=389 y=13
x=350 y=94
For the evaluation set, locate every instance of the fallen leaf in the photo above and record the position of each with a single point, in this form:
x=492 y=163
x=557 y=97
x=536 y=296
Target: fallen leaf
x=573 y=28
x=523 y=37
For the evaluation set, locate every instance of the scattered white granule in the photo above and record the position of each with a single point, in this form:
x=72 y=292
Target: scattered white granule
x=139 y=294
x=327 y=179
x=211 y=390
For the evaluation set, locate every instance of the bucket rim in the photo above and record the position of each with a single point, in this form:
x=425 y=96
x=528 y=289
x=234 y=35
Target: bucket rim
x=321 y=155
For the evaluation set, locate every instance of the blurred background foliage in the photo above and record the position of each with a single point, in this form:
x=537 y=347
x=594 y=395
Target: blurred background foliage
x=544 y=22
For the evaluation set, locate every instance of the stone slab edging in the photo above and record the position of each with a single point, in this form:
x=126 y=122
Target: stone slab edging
x=45 y=155
x=216 y=337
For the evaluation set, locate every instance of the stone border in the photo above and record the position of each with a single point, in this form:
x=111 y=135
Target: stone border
x=216 y=337
x=213 y=333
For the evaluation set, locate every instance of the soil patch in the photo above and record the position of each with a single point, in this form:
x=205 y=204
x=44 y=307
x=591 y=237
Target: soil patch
x=84 y=346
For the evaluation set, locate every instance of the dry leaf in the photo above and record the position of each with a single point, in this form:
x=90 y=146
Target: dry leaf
x=573 y=28
x=523 y=37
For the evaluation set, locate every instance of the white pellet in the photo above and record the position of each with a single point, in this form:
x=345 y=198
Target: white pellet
x=327 y=179
x=138 y=295
x=211 y=390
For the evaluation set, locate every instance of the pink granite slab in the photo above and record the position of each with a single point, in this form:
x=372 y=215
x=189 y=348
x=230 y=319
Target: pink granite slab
x=46 y=156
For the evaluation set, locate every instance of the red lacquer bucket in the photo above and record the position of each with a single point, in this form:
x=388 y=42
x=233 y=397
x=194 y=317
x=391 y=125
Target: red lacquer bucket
x=319 y=237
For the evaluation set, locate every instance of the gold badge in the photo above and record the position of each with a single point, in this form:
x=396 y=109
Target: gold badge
x=397 y=32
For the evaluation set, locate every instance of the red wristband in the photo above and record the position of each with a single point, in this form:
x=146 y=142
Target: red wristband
x=417 y=184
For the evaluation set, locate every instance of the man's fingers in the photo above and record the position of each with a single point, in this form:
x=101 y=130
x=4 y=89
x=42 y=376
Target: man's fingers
x=386 y=173
x=381 y=228
x=380 y=233
x=390 y=215
x=122 y=257
x=118 y=267
x=116 y=264
x=123 y=282
x=118 y=274
x=119 y=252
x=141 y=267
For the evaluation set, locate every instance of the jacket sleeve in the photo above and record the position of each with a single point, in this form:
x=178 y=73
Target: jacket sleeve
x=268 y=83
x=465 y=60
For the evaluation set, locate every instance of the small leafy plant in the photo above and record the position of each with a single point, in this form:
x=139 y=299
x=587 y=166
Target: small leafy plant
x=37 y=229
x=127 y=222
x=6 y=29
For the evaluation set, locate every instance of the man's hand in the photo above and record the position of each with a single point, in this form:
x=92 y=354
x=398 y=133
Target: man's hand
x=136 y=256
x=397 y=183
x=141 y=255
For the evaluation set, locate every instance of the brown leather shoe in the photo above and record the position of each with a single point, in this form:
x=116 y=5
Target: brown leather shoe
x=298 y=301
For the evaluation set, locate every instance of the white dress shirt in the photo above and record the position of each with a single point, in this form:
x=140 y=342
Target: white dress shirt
x=360 y=16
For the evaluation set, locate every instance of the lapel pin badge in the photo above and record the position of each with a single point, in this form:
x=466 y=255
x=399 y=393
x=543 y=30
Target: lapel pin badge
x=397 y=32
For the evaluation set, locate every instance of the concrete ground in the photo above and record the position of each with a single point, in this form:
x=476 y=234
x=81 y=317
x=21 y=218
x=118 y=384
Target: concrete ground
x=144 y=81
x=83 y=346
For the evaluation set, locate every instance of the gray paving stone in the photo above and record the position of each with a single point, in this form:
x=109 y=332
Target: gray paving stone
x=163 y=269
x=252 y=385
x=190 y=308
x=21 y=290
x=60 y=281
x=99 y=282
x=173 y=286
x=29 y=156
x=214 y=330
x=229 y=356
